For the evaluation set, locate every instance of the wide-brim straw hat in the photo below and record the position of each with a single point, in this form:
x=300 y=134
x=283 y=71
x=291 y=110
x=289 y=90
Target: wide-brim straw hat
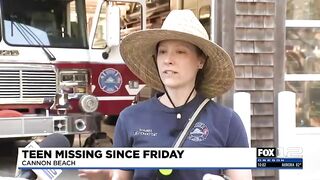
x=138 y=48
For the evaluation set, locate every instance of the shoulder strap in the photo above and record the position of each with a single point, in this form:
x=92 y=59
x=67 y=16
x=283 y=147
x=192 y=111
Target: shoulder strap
x=183 y=135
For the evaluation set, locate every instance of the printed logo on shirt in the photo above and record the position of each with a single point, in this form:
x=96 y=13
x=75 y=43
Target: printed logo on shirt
x=199 y=132
x=144 y=132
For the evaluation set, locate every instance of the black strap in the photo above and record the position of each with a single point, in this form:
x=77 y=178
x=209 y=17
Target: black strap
x=183 y=135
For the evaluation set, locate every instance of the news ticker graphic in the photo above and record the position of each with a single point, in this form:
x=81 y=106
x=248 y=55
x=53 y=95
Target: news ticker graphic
x=159 y=158
x=285 y=158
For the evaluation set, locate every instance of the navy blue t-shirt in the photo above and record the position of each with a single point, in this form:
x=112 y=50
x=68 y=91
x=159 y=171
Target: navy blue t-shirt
x=152 y=124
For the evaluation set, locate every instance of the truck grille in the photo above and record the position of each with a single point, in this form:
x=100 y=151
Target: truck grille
x=27 y=82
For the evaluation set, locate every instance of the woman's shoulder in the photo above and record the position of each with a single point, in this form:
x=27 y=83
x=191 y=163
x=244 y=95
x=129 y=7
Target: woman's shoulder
x=230 y=124
x=220 y=109
x=223 y=114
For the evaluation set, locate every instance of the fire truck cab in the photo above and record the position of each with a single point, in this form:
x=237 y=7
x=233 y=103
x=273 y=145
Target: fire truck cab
x=45 y=70
x=116 y=87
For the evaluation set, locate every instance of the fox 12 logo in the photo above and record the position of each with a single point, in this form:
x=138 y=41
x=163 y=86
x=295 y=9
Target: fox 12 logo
x=272 y=152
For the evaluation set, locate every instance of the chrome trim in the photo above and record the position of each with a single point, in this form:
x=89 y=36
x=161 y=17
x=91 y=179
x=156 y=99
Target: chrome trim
x=80 y=125
x=88 y=103
x=34 y=125
x=22 y=101
x=27 y=83
x=73 y=72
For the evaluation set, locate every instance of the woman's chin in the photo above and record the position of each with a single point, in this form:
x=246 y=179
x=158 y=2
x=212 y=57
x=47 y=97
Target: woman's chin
x=175 y=85
x=172 y=85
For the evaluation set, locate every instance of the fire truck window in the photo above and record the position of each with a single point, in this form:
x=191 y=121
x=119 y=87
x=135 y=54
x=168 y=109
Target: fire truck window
x=130 y=21
x=99 y=40
x=45 y=23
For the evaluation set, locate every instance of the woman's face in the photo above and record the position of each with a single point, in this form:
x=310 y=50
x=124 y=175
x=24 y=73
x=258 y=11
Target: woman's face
x=178 y=63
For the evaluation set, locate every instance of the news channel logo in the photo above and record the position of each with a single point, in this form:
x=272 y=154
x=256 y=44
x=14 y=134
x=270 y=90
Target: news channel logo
x=280 y=158
x=281 y=152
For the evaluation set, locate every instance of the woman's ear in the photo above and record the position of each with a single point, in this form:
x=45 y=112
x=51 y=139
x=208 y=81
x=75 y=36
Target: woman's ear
x=201 y=63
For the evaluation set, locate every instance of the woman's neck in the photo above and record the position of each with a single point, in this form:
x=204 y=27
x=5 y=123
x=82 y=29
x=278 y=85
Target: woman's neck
x=178 y=97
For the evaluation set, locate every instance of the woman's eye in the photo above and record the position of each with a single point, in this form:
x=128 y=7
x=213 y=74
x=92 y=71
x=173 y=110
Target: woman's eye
x=181 y=52
x=161 y=51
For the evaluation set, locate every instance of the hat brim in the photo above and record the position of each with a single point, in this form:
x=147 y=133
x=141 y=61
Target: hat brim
x=138 y=48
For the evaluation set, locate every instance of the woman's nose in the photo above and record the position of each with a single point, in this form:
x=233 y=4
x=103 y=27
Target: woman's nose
x=168 y=59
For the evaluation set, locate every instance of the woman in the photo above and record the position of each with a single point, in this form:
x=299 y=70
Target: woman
x=180 y=61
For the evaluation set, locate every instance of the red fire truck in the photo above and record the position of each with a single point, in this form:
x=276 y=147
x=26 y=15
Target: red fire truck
x=52 y=78
x=44 y=78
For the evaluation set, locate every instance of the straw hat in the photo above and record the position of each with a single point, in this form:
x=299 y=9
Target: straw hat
x=138 y=48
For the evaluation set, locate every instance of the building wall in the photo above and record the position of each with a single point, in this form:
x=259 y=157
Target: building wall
x=250 y=36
